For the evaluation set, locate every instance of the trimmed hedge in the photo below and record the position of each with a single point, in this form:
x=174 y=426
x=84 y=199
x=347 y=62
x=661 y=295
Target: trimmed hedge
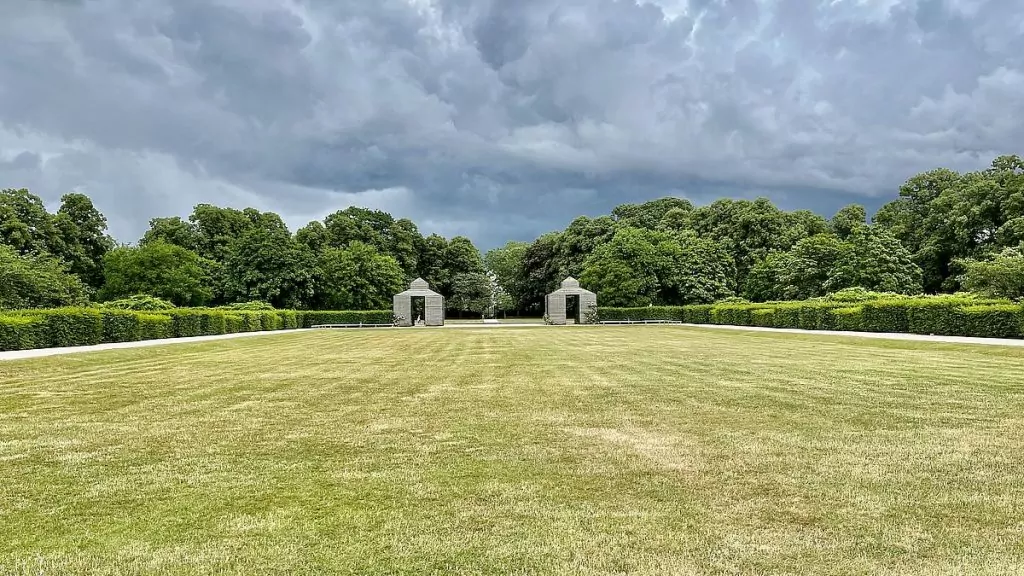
x=121 y=326
x=994 y=320
x=314 y=318
x=941 y=315
x=19 y=332
x=673 y=313
x=155 y=327
x=27 y=329
x=62 y=327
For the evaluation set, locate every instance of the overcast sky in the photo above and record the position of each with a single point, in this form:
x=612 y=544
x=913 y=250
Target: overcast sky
x=498 y=119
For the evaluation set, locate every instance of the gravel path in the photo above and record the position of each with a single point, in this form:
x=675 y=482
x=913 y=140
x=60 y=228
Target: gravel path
x=21 y=354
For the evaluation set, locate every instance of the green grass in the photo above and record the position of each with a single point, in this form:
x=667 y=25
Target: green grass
x=637 y=450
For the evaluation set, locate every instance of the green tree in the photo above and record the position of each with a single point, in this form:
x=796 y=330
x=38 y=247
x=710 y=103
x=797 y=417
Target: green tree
x=506 y=264
x=313 y=236
x=471 y=292
x=642 y=254
x=878 y=262
x=1000 y=276
x=355 y=224
x=430 y=261
x=84 y=239
x=749 y=230
x=699 y=271
x=460 y=257
x=540 y=270
x=172 y=230
x=217 y=230
x=579 y=240
x=617 y=283
x=848 y=219
x=358 y=277
x=37 y=281
x=158 y=269
x=649 y=215
x=270 y=266
x=25 y=225
x=870 y=258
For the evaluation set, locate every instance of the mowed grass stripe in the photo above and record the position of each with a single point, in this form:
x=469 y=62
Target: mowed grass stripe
x=641 y=450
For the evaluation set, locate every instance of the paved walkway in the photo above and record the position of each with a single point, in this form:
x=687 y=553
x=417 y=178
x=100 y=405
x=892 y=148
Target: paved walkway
x=21 y=354
x=41 y=352
x=877 y=335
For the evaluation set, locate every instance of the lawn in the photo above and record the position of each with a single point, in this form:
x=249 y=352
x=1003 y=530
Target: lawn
x=589 y=450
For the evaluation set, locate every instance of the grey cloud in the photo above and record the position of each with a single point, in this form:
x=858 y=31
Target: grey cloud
x=469 y=115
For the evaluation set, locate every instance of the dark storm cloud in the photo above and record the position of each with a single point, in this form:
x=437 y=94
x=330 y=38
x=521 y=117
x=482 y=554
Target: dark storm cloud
x=499 y=119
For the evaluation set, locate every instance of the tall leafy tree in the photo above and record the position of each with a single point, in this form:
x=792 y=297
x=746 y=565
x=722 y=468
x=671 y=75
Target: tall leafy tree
x=470 y=292
x=430 y=261
x=270 y=266
x=218 y=228
x=540 y=270
x=313 y=236
x=848 y=219
x=579 y=240
x=506 y=265
x=640 y=267
x=37 y=281
x=159 y=269
x=358 y=277
x=25 y=225
x=460 y=257
x=1000 y=276
x=84 y=239
x=174 y=231
x=749 y=230
x=649 y=215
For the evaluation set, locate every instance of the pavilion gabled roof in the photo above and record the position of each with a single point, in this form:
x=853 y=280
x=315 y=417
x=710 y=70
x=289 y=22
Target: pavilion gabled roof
x=418 y=287
x=571 y=287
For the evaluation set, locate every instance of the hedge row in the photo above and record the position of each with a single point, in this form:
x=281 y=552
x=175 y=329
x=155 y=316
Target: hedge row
x=27 y=329
x=947 y=316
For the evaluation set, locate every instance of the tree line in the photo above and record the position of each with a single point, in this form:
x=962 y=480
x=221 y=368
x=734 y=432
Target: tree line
x=945 y=232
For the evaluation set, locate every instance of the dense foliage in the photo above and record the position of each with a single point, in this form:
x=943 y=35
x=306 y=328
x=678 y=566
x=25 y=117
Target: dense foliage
x=81 y=326
x=947 y=315
x=946 y=232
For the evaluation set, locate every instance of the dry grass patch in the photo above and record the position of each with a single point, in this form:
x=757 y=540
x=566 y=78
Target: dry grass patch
x=625 y=450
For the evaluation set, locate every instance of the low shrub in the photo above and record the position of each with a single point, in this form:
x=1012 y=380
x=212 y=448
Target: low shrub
x=268 y=320
x=185 y=323
x=155 y=326
x=764 y=317
x=673 y=313
x=289 y=319
x=120 y=325
x=139 y=302
x=885 y=316
x=233 y=323
x=734 y=314
x=62 y=327
x=848 y=319
x=250 y=322
x=20 y=332
x=212 y=322
x=697 y=314
x=251 y=306
x=994 y=320
x=314 y=318
x=786 y=316
x=938 y=316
